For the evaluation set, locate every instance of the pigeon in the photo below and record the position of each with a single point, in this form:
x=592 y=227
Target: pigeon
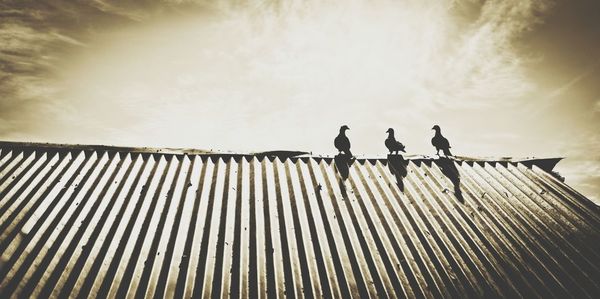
x=440 y=142
x=392 y=144
x=341 y=142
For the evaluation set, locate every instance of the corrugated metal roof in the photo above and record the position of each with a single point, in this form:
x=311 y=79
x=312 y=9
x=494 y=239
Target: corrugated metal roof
x=84 y=222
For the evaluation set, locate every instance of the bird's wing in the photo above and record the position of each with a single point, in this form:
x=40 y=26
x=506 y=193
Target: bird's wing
x=445 y=142
x=342 y=143
x=338 y=143
x=399 y=146
x=346 y=143
x=388 y=144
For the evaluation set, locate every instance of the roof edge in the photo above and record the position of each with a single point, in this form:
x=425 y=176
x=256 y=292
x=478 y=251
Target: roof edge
x=546 y=164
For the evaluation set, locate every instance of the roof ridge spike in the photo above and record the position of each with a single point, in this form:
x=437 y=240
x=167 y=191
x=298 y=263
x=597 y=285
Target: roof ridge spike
x=372 y=161
x=546 y=164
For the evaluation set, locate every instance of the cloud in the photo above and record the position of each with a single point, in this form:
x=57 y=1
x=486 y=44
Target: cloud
x=37 y=39
x=25 y=68
x=244 y=75
x=486 y=68
x=563 y=90
x=582 y=166
x=260 y=61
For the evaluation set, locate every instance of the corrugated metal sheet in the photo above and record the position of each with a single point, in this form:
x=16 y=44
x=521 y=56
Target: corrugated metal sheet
x=101 y=223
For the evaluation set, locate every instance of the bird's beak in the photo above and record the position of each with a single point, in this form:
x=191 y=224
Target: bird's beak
x=433 y=128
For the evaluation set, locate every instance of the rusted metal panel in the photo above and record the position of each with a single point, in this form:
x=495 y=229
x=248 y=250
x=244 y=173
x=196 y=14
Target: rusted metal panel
x=86 y=222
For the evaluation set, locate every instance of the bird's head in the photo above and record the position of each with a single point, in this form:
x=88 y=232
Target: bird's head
x=390 y=130
x=344 y=128
x=436 y=128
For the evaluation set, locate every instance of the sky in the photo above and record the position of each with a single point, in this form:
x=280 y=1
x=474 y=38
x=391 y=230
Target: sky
x=516 y=78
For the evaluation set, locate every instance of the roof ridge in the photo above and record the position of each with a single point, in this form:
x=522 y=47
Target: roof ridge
x=546 y=164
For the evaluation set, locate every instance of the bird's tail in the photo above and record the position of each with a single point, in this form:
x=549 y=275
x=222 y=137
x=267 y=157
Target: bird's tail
x=447 y=152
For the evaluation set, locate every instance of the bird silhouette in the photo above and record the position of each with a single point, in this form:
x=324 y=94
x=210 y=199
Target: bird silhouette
x=392 y=144
x=341 y=142
x=440 y=142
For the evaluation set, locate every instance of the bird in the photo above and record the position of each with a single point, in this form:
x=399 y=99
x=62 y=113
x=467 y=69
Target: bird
x=392 y=144
x=440 y=142
x=341 y=142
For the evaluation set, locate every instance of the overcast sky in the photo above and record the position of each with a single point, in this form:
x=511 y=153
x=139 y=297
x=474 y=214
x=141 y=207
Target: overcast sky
x=502 y=78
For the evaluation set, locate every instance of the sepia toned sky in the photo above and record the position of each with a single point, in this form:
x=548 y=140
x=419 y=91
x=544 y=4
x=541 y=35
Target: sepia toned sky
x=502 y=78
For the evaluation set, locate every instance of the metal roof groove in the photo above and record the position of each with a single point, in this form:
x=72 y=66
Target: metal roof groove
x=80 y=221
